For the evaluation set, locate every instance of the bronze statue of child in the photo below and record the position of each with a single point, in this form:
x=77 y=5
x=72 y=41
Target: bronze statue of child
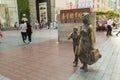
x=74 y=37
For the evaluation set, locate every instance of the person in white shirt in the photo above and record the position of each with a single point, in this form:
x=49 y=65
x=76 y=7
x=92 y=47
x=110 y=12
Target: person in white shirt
x=23 y=27
x=109 y=27
x=36 y=25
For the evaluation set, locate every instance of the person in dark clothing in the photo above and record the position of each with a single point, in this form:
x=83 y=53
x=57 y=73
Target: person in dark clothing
x=48 y=25
x=29 y=31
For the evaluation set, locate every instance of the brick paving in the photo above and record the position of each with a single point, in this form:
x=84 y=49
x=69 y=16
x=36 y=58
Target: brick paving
x=13 y=40
x=107 y=68
x=42 y=61
x=49 y=60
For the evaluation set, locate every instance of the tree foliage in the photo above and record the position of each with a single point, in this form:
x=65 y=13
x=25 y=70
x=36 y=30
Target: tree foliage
x=108 y=14
x=23 y=8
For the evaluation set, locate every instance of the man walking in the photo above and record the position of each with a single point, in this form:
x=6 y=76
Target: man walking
x=109 y=27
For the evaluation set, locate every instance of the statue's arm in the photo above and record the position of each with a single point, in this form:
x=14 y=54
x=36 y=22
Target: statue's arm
x=92 y=36
x=70 y=36
x=79 y=35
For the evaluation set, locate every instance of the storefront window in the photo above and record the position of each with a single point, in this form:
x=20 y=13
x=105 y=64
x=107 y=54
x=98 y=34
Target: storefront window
x=8 y=13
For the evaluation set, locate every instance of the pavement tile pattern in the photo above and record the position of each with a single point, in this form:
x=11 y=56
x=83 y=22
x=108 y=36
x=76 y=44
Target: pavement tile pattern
x=107 y=68
x=50 y=60
x=42 y=61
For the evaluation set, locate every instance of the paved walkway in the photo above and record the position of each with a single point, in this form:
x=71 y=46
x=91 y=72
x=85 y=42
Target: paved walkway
x=13 y=40
x=49 y=60
x=107 y=68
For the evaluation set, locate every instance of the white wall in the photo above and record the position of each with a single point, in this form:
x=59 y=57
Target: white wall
x=61 y=4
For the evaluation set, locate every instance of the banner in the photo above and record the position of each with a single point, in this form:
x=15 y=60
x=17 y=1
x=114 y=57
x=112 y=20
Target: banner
x=85 y=3
x=72 y=15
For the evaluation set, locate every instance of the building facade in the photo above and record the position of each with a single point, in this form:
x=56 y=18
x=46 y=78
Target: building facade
x=47 y=10
x=98 y=5
x=118 y=5
x=42 y=10
x=8 y=13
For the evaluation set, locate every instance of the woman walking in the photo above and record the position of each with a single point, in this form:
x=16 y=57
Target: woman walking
x=23 y=28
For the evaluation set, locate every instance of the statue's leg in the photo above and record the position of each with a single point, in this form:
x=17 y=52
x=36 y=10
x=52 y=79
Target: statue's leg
x=76 y=60
x=76 y=55
x=74 y=48
x=82 y=67
x=85 y=67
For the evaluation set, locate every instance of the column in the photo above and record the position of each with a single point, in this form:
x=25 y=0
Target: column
x=32 y=5
x=53 y=10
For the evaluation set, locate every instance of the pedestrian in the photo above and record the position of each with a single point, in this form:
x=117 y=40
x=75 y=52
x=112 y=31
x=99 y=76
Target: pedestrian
x=74 y=37
x=55 y=25
x=48 y=25
x=1 y=35
x=0 y=25
x=29 y=31
x=36 y=25
x=118 y=33
x=109 y=27
x=16 y=25
x=118 y=29
x=23 y=28
x=86 y=40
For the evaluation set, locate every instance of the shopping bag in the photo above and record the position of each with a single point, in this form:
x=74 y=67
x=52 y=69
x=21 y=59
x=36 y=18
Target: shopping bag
x=94 y=56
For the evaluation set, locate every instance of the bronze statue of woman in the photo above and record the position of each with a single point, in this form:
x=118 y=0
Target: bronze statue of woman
x=86 y=40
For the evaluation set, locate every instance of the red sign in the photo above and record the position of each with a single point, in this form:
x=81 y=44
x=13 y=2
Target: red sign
x=72 y=15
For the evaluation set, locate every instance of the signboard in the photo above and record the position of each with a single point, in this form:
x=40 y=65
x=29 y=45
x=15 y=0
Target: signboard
x=72 y=15
x=81 y=3
x=43 y=11
x=85 y=3
x=89 y=3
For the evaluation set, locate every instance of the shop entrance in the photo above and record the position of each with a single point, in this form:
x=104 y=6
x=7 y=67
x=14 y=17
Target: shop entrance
x=43 y=12
x=43 y=8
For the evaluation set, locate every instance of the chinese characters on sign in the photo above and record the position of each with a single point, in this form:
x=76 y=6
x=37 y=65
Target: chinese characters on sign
x=73 y=15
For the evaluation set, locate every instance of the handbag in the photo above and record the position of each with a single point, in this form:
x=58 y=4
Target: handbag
x=94 y=56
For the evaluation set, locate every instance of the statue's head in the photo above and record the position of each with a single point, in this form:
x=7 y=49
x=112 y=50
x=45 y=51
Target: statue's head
x=75 y=29
x=86 y=18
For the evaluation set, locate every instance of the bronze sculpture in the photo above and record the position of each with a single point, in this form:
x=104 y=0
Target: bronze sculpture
x=83 y=45
x=74 y=36
x=86 y=40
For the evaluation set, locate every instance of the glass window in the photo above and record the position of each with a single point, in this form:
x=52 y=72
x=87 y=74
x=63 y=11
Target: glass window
x=8 y=14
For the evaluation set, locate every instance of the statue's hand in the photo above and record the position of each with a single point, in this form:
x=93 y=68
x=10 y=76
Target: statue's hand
x=69 y=38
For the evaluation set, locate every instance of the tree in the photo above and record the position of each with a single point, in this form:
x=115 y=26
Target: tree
x=108 y=14
x=23 y=8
